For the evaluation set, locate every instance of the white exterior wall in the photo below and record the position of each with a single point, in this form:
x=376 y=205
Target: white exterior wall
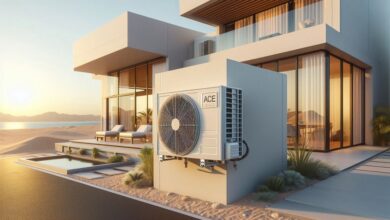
x=268 y=143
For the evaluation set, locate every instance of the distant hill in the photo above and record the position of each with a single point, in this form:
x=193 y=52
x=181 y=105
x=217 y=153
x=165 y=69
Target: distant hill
x=48 y=116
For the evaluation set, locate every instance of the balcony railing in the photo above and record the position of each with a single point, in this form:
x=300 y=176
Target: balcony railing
x=271 y=23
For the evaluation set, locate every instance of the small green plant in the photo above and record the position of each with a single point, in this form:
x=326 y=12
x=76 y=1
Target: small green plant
x=115 y=159
x=275 y=183
x=262 y=188
x=266 y=196
x=82 y=151
x=95 y=153
x=137 y=180
x=299 y=159
x=381 y=126
x=146 y=156
x=293 y=180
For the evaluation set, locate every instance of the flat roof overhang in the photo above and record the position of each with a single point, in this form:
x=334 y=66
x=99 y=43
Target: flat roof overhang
x=218 y=12
x=117 y=60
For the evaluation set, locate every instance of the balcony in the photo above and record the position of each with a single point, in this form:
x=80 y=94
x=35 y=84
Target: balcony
x=268 y=24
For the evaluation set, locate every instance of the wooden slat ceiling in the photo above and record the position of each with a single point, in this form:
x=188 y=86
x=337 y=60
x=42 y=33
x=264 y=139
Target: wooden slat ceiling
x=225 y=11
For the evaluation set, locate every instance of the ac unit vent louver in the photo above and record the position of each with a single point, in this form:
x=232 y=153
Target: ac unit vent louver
x=234 y=116
x=178 y=123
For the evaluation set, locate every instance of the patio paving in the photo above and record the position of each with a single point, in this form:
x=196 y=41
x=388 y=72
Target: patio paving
x=125 y=168
x=357 y=193
x=89 y=175
x=109 y=172
x=346 y=158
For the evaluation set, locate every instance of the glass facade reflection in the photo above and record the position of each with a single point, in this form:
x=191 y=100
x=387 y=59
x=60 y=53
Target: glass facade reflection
x=324 y=101
x=128 y=96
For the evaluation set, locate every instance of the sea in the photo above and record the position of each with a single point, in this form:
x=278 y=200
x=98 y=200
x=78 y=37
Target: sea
x=44 y=124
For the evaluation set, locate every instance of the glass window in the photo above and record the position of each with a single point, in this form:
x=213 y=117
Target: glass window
x=311 y=104
x=127 y=81
x=141 y=94
x=347 y=103
x=308 y=13
x=127 y=112
x=112 y=84
x=335 y=103
x=150 y=93
x=289 y=67
x=272 y=22
x=112 y=112
x=357 y=106
x=273 y=66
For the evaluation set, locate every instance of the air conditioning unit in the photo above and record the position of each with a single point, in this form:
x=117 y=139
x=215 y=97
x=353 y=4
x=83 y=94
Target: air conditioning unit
x=203 y=124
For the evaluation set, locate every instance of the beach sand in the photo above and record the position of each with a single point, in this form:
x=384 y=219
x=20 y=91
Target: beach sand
x=40 y=140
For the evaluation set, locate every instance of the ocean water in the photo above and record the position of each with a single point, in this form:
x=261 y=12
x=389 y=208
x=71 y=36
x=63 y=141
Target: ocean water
x=44 y=124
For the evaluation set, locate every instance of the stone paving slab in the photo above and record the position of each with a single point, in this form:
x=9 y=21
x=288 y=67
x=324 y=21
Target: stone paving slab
x=374 y=169
x=381 y=159
x=109 y=172
x=89 y=175
x=377 y=164
x=370 y=173
x=125 y=168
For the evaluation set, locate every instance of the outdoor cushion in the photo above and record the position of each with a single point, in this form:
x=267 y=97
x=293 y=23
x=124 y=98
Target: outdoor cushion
x=144 y=128
x=107 y=133
x=117 y=128
x=133 y=134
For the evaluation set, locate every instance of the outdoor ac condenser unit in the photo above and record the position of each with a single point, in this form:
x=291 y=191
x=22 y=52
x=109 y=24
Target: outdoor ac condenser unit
x=203 y=124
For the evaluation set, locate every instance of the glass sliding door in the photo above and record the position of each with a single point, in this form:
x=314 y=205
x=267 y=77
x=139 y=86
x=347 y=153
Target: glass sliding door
x=347 y=104
x=335 y=131
x=308 y=13
x=289 y=67
x=112 y=107
x=272 y=22
x=126 y=99
x=357 y=105
x=243 y=33
x=311 y=101
x=141 y=94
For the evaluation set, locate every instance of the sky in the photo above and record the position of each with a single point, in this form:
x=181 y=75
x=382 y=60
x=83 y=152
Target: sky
x=36 y=39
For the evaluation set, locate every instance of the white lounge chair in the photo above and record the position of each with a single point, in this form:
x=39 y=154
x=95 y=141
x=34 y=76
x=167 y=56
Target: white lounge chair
x=142 y=132
x=113 y=133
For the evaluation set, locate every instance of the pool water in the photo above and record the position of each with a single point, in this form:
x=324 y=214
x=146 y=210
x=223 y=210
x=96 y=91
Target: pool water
x=68 y=163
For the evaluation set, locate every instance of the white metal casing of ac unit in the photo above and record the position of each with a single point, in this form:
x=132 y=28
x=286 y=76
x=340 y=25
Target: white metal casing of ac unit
x=216 y=119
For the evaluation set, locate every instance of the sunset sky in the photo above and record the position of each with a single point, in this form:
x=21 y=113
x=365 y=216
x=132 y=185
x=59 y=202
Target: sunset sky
x=36 y=39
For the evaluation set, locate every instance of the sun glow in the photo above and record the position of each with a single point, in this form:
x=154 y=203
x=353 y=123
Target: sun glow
x=18 y=99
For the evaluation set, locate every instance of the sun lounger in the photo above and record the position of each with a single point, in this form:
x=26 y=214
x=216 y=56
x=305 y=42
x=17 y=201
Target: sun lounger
x=113 y=133
x=141 y=133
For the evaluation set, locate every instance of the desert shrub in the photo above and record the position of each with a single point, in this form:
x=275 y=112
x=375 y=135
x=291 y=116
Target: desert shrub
x=137 y=180
x=146 y=156
x=293 y=179
x=275 y=183
x=82 y=151
x=262 y=188
x=95 y=153
x=115 y=159
x=266 y=196
x=299 y=159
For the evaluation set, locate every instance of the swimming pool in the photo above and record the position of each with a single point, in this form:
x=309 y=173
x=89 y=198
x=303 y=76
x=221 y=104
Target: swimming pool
x=68 y=163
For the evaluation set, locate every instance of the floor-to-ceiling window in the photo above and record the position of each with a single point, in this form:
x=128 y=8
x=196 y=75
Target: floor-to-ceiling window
x=357 y=103
x=335 y=103
x=289 y=67
x=347 y=104
x=311 y=100
x=128 y=96
x=307 y=95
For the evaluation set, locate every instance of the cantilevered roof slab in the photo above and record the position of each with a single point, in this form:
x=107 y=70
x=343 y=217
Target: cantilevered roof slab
x=131 y=39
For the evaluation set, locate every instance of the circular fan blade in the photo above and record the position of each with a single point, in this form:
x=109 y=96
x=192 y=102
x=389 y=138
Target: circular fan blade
x=179 y=124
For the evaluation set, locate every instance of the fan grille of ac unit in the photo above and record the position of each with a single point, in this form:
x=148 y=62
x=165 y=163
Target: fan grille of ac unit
x=179 y=124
